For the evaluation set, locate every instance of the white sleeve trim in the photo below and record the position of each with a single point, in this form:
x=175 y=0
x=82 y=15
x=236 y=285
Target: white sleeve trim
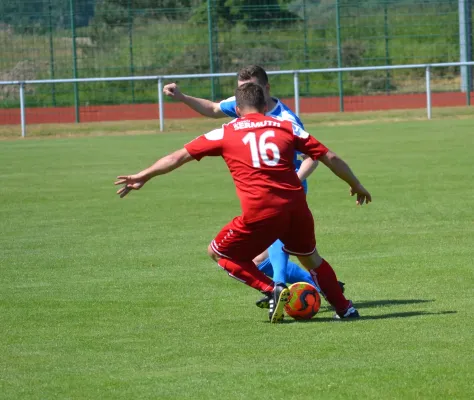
x=298 y=131
x=216 y=134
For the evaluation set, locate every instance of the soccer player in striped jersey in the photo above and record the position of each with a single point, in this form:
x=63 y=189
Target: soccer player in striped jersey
x=274 y=262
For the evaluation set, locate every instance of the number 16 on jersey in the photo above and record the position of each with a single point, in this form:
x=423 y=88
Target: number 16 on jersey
x=262 y=149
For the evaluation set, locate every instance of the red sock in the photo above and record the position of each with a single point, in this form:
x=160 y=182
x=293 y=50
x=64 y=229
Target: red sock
x=325 y=278
x=248 y=273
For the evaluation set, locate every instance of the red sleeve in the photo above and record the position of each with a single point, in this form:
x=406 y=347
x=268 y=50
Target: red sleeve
x=209 y=144
x=307 y=144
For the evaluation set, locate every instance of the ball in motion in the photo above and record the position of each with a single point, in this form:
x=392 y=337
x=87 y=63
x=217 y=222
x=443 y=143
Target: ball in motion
x=304 y=301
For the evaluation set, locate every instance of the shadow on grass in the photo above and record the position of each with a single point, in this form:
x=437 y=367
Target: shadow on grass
x=378 y=303
x=384 y=303
x=371 y=317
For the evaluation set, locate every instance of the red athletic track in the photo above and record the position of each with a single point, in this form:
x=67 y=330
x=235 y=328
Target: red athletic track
x=178 y=110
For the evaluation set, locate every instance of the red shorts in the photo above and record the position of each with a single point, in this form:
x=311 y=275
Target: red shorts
x=243 y=241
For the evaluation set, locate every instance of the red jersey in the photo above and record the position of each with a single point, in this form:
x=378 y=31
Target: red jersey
x=258 y=151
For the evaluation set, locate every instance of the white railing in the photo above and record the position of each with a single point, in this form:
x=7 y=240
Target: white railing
x=296 y=74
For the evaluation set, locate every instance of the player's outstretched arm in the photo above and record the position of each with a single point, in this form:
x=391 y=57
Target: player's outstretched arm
x=162 y=166
x=202 y=106
x=307 y=167
x=342 y=170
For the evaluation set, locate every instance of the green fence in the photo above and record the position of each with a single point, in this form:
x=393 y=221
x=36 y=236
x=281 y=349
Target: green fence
x=101 y=38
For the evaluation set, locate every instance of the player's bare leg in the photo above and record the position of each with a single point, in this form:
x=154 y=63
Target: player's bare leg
x=261 y=258
x=325 y=277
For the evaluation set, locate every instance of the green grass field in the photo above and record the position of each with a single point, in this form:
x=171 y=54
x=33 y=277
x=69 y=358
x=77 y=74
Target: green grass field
x=103 y=298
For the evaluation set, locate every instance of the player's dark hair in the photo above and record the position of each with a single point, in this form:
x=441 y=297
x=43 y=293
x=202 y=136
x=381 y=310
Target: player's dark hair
x=250 y=95
x=253 y=71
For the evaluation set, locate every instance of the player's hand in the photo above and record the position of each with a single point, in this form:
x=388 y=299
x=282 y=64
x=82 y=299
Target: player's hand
x=363 y=196
x=172 y=90
x=130 y=182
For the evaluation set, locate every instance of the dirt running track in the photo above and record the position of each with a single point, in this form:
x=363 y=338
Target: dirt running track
x=178 y=110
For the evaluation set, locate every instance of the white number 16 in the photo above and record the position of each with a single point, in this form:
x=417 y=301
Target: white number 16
x=262 y=148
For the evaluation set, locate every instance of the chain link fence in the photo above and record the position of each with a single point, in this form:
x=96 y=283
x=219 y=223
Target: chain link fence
x=51 y=39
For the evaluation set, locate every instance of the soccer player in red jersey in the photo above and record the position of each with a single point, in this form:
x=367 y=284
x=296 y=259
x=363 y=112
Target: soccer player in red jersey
x=258 y=151
x=274 y=262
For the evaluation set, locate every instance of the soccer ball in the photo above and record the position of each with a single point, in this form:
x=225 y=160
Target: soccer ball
x=304 y=301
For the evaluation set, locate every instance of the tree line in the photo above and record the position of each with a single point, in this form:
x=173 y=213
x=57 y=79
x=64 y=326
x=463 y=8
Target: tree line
x=29 y=16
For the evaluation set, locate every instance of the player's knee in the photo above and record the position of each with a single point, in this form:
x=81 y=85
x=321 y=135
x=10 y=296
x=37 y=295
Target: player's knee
x=261 y=258
x=312 y=261
x=212 y=254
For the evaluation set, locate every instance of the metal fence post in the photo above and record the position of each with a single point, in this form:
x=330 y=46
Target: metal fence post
x=296 y=82
x=51 y=53
x=468 y=44
x=306 y=55
x=428 y=92
x=74 y=58
x=130 y=47
x=160 y=103
x=22 y=109
x=339 y=55
x=211 y=55
x=465 y=46
x=387 y=50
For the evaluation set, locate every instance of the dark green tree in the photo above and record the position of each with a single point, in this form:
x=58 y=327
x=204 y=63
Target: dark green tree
x=254 y=14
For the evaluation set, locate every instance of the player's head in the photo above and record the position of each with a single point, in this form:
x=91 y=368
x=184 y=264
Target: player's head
x=249 y=98
x=255 y=74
